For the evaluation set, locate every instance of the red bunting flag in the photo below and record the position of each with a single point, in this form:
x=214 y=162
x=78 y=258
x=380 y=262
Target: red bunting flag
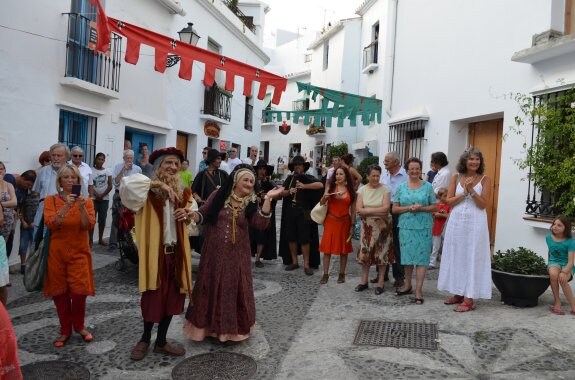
x=164 y=45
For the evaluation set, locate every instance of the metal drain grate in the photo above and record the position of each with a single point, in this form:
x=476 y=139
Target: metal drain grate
x=216 y=365
x=399 y=334
x=55 y=370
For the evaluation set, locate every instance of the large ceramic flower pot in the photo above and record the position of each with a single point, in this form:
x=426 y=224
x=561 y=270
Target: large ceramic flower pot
x=519 y=289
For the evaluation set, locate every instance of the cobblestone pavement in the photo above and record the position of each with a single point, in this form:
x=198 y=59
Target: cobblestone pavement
x=305 y=330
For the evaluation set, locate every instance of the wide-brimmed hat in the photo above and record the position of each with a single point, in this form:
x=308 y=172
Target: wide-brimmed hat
x=161 y=152
x=264 y=164
x=213 y=154
x=298 y=160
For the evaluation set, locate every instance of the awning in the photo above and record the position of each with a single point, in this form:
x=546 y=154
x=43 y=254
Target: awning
x=417 y=113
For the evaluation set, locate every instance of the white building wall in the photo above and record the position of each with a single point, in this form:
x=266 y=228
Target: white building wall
x=453 y=57
x=32 y=67
x=372 y=84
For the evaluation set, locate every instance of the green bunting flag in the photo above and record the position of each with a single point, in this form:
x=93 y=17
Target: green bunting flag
x=335 y=104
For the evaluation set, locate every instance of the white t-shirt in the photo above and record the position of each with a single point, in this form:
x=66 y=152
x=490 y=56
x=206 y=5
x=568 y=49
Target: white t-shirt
x=100 y=179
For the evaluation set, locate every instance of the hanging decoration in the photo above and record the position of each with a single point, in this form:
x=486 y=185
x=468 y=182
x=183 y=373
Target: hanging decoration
x=284 y=128
x=212 y=129
x=164 y=45
x=335 y=104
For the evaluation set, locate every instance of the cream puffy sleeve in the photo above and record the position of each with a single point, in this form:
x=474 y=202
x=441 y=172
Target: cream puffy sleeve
x=134 y=191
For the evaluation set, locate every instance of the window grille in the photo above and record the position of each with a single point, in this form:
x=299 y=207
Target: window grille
x=407 y=139
x=79 y=130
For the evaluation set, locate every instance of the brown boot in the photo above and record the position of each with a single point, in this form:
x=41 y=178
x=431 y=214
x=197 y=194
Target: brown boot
x=170 y=349
x=139 y=351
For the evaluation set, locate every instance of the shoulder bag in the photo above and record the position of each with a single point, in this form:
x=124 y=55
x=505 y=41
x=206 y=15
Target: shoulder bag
x=319 y=212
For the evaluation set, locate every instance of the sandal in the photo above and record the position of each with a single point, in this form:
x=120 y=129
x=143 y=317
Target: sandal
x=259 y=264
x=324 y=279
x=341 y=278
x=403 y=292
x=418 y=301
x=464 y=306
x=378 y=290
x=61 y=341
x=557 y=311
x=361 y=287
x=86 y=336
x=455 y=299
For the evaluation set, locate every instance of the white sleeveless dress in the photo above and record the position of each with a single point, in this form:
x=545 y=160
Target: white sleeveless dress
x=466 y=257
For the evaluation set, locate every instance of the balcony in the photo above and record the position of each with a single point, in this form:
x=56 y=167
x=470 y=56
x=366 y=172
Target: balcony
x=248 y=21
x=99 y=69
x=217 y=103
x=370 y=58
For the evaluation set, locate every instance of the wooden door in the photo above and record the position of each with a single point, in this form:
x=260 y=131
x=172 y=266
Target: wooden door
x=487 y=137
x=182 y=143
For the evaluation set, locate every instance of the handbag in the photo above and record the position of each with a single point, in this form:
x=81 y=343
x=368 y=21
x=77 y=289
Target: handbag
x=37 y=261
x=193 y=228
x=319 y=212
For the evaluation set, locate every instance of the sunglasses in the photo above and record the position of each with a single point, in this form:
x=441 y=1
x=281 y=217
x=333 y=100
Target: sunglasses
x=78 y=155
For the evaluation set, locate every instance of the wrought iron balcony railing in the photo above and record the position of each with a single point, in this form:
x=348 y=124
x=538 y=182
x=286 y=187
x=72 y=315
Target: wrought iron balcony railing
x=248 y=21
x=218 y=103
x=81 y=60
x=370 y=54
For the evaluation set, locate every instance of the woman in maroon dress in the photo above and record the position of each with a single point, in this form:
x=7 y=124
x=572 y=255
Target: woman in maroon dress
x=223 y=296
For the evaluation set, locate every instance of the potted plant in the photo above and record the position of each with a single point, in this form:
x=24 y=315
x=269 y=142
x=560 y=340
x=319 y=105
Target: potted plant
x=520 y=275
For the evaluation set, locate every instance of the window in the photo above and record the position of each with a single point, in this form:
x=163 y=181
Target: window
x=249 y=114
x=300 y=105
x=406 y=139
x=325 y=55
x=307 y=57
x=370 y=52
x=213 y=46
x=81 y=62
x=77 y=129
x=552 y=128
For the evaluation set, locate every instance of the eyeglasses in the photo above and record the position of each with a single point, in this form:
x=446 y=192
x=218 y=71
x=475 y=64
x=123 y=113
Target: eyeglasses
x=78 y=155
x=204 y=152
x=234 y=151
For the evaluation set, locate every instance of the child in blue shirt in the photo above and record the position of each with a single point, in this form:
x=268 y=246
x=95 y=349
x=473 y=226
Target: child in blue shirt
x=560 y=264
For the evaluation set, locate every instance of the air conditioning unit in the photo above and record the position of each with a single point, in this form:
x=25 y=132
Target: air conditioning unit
x=173 y=6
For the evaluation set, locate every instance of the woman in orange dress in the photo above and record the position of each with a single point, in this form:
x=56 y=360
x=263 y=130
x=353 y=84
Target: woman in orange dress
x=69 y=278
x=339 y=222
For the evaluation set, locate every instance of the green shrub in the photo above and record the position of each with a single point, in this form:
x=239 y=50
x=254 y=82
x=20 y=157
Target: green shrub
x=520 y=261
x=337 y=150
x=364 y=164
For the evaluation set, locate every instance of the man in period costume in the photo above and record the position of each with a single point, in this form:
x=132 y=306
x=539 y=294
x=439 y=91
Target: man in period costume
x=163 y=210
x=298 y=232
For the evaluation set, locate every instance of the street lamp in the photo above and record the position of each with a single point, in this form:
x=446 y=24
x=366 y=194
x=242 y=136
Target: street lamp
x=187 y=35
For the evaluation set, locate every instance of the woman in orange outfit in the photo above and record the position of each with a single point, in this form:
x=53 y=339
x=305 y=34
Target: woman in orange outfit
x=339 y=222
x=69 y=278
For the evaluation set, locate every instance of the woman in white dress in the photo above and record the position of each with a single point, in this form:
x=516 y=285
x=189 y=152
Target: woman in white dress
x=466 y=259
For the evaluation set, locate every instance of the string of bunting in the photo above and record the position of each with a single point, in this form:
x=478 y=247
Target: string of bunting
x=335 y=104
x=164 y=45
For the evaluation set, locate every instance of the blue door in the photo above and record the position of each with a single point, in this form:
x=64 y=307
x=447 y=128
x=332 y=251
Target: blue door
x=138 y=139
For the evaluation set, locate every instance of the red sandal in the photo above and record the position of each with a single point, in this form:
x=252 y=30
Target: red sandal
x=61 y=341
x=464 y=306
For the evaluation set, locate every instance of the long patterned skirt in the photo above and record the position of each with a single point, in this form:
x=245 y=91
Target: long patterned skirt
x=376 y=242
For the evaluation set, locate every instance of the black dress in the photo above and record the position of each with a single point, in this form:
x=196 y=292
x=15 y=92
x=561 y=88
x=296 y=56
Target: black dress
x=307 y=199
x=266 y=237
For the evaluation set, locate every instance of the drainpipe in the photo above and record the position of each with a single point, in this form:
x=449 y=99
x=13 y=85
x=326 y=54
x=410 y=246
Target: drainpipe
x=390 y=55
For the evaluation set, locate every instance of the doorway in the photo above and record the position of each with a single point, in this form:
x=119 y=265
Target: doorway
x=182 y=143
x=139 y=139
x=487 y=137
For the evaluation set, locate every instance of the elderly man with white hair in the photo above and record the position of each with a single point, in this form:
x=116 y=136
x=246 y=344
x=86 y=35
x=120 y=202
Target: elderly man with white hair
x=85 y=170
x=121 y=170
x=45 y=183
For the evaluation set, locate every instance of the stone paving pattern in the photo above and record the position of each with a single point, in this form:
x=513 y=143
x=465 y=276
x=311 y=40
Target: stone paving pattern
x=305 y=330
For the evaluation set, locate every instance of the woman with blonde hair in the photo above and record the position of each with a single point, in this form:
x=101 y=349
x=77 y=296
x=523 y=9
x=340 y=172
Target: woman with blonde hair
x=69 y=277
